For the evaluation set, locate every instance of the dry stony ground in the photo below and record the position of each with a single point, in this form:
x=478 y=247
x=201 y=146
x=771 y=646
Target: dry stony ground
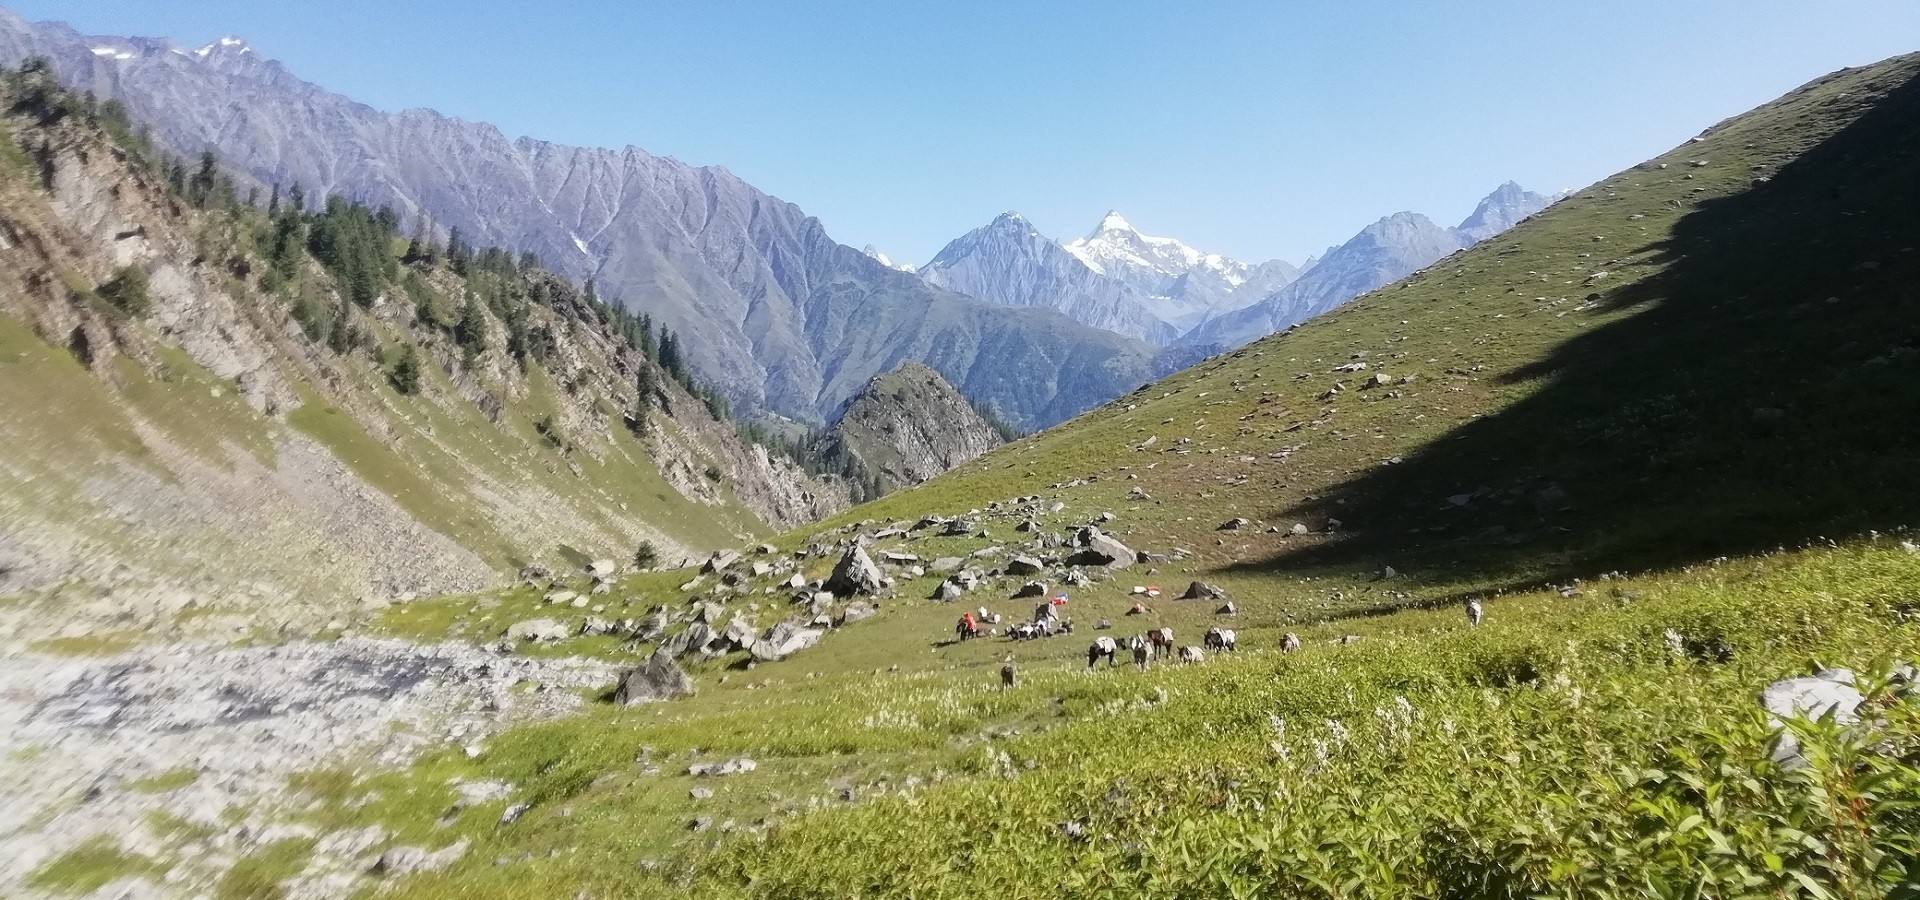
x=155 y=745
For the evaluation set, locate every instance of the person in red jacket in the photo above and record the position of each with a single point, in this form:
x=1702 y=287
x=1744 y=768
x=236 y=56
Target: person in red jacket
x=966 y=625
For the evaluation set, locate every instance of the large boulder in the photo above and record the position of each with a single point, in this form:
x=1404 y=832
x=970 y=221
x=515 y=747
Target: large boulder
x=855 y=575
x=539 y=630
x=654 y=626
x=1031 y=589
x=1201 y=590
x=660 y=679
x=1100 y=549
x=948 y=592
x=694 y=638
x=784 y=640
x=720 y=561
x=1025 y=565
x=1828 y=693
x=856 y=611
x=601 y=568
x=740 y=632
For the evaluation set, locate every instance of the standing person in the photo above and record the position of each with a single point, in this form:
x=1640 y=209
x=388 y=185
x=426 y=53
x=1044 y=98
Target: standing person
x=1474 y=613
x=1007 y=674
x=966 y=625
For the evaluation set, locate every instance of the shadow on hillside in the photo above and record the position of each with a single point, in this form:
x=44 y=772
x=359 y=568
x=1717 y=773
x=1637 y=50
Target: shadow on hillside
x=1764 y=390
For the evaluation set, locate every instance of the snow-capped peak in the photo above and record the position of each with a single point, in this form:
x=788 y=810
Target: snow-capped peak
x=1116 y=243
x=1112 y=221
x=231 y=43
x=881 y=258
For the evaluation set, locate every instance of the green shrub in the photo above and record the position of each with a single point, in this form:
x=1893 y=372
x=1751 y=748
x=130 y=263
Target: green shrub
x=128 y=292
x=404 y=372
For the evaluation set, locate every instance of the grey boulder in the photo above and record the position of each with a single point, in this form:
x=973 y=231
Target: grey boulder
x=660 y=679
x=855 y=574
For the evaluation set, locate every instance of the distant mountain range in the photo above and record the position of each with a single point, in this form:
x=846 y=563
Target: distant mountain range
x=1165 y=292
x=769 y=307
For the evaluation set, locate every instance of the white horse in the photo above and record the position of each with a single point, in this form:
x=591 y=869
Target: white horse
x=1289 y=643
x=1103 y=647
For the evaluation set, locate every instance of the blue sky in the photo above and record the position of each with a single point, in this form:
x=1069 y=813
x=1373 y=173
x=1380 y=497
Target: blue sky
x=1256 y=129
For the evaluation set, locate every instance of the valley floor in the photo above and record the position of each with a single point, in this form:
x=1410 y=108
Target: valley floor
x=1609 y=730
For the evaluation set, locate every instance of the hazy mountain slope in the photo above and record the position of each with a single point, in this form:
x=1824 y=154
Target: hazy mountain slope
x=910 y=425
x=1391 y=248
x=203 y=449
x=1693 y=357
x=750 y=282
x=1116 y=278
x=1506 y=207
x=1008 y=262
x=1182 y=285
x=1388 y=249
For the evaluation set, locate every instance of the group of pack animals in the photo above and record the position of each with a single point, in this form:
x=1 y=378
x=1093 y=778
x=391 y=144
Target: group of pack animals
x=1157 y=643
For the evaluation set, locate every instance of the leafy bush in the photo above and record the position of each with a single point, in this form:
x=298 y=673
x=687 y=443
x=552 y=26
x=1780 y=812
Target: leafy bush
x=647 y=556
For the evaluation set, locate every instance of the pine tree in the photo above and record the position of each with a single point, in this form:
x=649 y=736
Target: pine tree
x=405 y=371
x=471 y=331
x=200 y=189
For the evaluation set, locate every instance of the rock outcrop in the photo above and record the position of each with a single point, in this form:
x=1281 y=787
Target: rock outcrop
x=906 y=427
x=660 y=679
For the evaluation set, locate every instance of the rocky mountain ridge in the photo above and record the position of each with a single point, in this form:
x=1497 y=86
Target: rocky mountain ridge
x=910 y=425
x=773 y=311
x=1384 y=252
x=237 y=434
x=1165 y=292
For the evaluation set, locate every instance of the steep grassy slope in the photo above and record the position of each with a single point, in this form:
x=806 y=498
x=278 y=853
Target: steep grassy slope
x=1705 y=354
x=240 y=435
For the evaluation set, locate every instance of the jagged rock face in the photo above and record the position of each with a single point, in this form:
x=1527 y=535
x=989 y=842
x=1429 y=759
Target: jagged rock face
x=910 y=425
x=770 y=308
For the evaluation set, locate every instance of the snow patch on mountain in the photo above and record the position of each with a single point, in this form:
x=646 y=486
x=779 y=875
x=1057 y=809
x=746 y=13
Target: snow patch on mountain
x=874 y=253
x=1115 y=242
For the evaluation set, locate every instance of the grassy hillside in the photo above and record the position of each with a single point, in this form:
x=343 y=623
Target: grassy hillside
x=1703 y=355
x=298 y=408
x=1735 y=382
